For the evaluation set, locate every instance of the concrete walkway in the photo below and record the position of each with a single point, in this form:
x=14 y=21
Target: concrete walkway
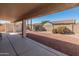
x=15 y=45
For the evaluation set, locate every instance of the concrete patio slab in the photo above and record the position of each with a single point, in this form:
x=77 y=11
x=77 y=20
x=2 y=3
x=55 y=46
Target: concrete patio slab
x=16 y=45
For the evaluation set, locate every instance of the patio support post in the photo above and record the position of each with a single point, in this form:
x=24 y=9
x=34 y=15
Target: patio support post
x=27 y=23
x=13 y=27
x=23 y=28
x=31 y=23
x=53 y=28
x=5 y=28
x=73 y=28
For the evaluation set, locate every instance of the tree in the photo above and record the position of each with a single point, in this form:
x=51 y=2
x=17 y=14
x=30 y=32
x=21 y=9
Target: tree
x=44 y=22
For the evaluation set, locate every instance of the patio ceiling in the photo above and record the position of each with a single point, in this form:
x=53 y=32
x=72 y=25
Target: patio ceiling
x=20 y=11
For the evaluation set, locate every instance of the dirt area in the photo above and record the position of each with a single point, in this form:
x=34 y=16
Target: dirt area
x=68 y=44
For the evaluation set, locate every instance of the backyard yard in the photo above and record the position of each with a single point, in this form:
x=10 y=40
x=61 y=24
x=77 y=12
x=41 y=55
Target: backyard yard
x=68 y=44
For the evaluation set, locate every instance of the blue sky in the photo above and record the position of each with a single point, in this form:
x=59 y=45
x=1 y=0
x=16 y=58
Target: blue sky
x=64 y=15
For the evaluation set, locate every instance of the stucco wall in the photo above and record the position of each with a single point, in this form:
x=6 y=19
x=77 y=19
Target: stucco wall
x=49 y=27
x=76 y=28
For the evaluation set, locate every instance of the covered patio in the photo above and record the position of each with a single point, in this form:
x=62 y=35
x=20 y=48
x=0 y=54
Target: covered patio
x=15 y=44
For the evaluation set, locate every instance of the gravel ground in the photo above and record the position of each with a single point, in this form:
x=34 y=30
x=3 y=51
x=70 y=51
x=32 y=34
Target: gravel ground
x=68 y=44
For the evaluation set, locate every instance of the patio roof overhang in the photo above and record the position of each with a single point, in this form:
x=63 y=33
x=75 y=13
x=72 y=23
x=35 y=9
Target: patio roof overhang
x=20 y=11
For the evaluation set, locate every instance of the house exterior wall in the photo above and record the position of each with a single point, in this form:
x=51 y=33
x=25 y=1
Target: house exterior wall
x=48 y=27
x=2 y=28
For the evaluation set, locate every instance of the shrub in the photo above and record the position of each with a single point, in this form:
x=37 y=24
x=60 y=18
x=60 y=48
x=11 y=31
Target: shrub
x=36 y=27
x=39 y=28
x=54 y=30
x=62 y=30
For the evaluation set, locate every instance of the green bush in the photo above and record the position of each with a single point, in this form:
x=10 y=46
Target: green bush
x=39 y=28
x=36 y=28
